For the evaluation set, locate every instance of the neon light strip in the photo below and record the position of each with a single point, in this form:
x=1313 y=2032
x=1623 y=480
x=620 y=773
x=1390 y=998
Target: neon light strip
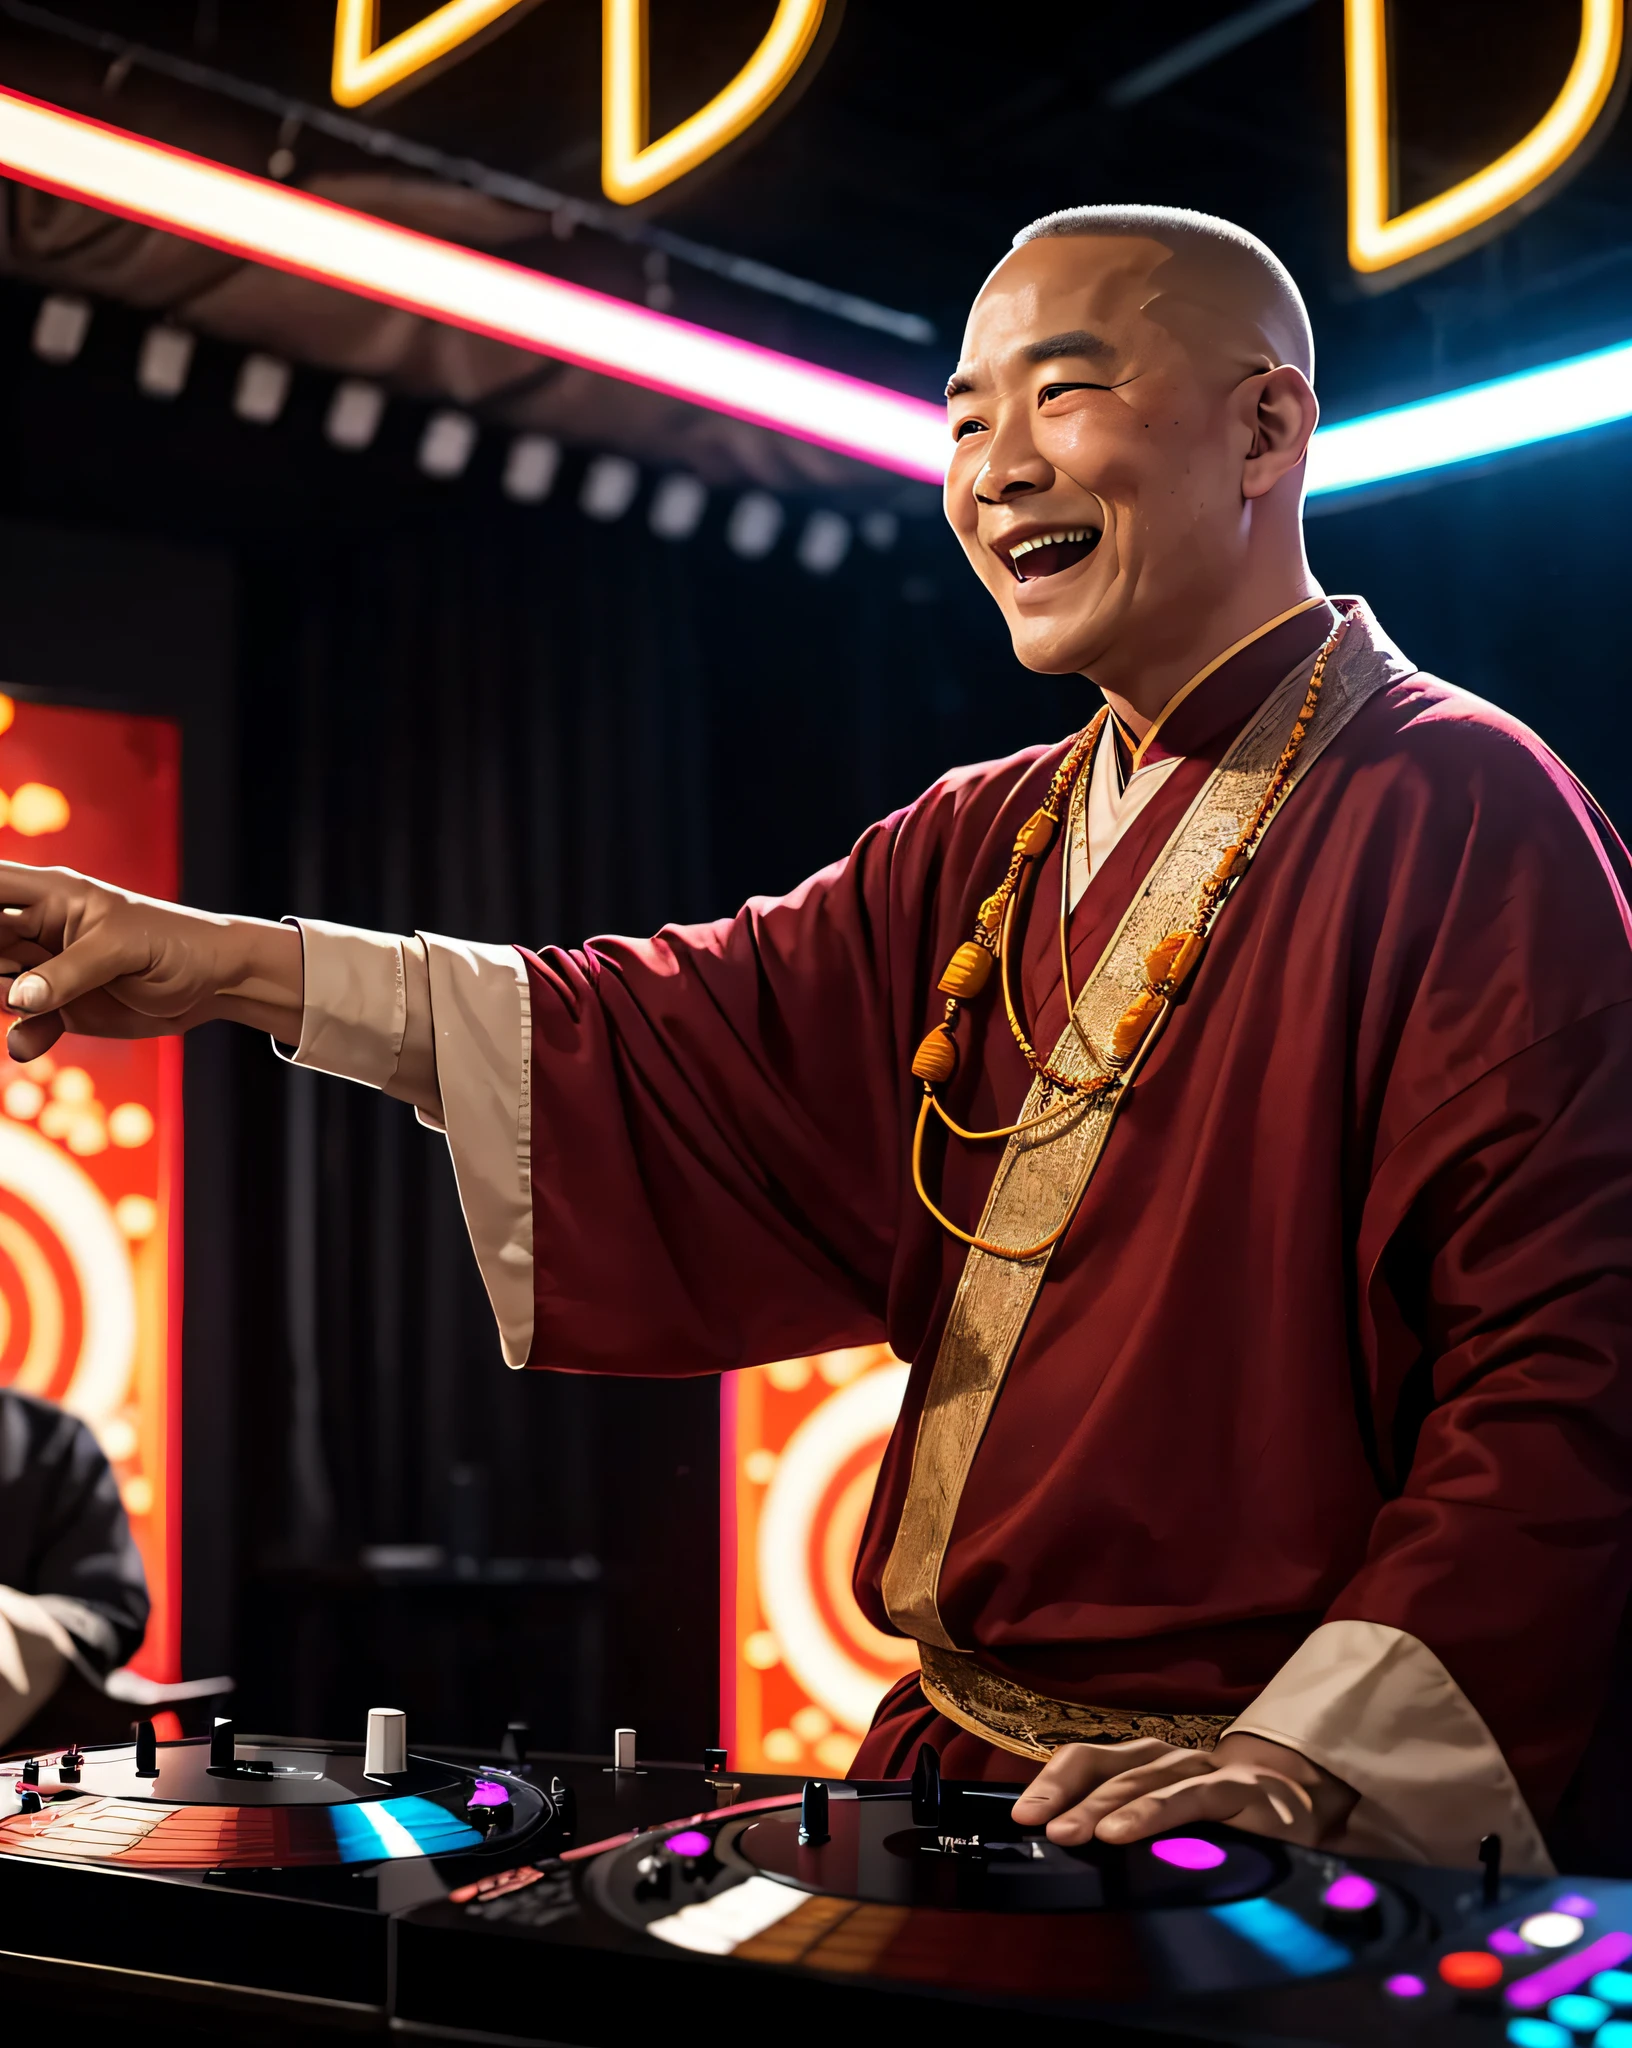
x=1482 y=419
x=252 y=217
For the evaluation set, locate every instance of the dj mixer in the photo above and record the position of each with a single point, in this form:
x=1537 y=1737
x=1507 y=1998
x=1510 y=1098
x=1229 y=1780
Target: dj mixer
x=260 y=1889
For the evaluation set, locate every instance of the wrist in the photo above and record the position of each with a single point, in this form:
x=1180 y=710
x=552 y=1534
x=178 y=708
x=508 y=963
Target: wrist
x=261 y=980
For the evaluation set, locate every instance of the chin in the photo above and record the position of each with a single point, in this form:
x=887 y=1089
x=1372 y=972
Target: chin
x=1056 y=648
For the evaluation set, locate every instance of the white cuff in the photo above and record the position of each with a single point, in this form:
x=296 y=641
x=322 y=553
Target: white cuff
x=482 y=1017
x=1376 y=1708
x=35 y=1653
x=356 y=1002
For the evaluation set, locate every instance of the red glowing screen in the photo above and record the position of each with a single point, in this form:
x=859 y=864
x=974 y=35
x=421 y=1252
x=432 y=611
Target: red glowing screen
x=90 y=1141
x=801 y=1666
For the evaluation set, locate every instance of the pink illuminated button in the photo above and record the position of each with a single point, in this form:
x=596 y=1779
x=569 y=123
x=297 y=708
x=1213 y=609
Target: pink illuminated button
x=1405 y=1986
x=1188 y=1852
x=1350 y=1893
x=689 y=1842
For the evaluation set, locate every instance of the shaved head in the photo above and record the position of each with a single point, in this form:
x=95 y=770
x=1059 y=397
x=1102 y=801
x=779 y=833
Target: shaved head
x=1129 y=414
x=1240 y=289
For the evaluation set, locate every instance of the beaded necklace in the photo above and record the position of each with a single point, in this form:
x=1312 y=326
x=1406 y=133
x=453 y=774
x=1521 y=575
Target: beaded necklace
x=1168 y=966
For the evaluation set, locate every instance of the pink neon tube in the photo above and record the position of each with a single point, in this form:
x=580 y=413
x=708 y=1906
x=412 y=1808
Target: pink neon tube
x=147 y=181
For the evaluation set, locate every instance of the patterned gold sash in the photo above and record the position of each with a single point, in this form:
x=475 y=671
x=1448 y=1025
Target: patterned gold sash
x=1042 y=1176
x=1027 y=1723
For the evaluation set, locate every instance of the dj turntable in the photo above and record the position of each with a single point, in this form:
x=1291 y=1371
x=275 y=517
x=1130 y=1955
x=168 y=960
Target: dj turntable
x=274 y=1890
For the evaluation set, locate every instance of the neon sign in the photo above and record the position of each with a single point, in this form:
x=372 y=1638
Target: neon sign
x=365 y=68
x=1388 y=249
x=633 y=165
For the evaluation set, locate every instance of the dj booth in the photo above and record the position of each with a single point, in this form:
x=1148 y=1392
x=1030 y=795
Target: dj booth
x=262 y=1889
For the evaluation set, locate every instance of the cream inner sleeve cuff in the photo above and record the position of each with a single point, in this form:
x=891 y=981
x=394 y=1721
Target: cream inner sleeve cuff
x=1376 y=1708
x=355 y=1015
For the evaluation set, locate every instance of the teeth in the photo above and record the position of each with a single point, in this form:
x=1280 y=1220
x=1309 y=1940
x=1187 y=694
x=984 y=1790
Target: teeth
x=1046 y=540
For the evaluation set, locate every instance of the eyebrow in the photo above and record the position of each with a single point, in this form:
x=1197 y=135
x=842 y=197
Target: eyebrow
x=1052 y=349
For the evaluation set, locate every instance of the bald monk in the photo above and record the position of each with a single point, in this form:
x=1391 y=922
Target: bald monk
x=1226 y=1109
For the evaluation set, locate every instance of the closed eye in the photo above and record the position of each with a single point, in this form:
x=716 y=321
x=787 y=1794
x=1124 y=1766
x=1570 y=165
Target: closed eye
x=1055 y=390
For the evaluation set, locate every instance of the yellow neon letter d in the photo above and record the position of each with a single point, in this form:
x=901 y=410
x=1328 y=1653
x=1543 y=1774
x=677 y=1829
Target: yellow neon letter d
x=364 y=67
x=1408 y=243
x=631 y=166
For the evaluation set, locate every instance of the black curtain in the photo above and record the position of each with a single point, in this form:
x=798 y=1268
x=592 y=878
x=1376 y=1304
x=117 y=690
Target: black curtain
x=530 y=730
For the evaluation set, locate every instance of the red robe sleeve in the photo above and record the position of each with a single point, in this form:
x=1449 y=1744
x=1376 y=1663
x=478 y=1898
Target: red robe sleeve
x=1500 y=1306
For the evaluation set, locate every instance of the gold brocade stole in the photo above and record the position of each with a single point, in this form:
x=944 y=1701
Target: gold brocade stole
x=1043 y=1175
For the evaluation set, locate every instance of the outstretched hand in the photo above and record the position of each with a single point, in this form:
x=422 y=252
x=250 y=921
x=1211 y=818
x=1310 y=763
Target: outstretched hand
x=1125 y=1791
x=80 y=955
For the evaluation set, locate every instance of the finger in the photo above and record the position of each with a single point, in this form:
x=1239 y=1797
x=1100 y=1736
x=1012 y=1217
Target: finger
x=23 y=887
x=1084 y=1820
x=26 y=1041
x=1076 y=1768
x=88 y=964
x=17 y=953
x=1265 y=1805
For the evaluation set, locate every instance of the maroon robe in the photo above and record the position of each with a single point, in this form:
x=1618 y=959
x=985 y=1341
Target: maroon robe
x=1338 y=1330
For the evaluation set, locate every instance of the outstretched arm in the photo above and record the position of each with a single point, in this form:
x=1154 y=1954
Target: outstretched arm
x=83 y=956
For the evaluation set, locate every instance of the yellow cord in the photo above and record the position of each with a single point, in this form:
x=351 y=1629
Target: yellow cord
x=981 y=1244
x=1216 y=663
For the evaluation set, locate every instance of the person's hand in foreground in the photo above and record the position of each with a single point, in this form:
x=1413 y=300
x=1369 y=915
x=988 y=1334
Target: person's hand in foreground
x=80 y=955
x=1123 y=1792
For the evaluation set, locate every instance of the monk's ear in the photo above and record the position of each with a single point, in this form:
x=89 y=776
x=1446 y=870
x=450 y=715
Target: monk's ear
x=1282 y=413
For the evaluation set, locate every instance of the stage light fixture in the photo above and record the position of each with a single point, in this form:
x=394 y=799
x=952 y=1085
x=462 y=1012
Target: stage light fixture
x=754 y=525
x=60 y=327
x=609 y=487
x=824 y=543
x=881 y=531
x=530 y=468
x=1478 y=421
x=262 y=389
x=354 y=415
x=165 y=362
x=447 y=444
x=293 y=230
x=678 y=504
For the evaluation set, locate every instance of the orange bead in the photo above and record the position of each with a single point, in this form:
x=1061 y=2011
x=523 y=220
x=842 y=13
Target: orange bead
x=1036 y=835
x=1173 y=961
x=991 y=912
x=966 y=972
x=1133 y=1026
x=936 y=1059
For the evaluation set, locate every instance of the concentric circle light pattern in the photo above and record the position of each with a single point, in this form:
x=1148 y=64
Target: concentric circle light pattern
x=89 y=1144
x=803 y=1442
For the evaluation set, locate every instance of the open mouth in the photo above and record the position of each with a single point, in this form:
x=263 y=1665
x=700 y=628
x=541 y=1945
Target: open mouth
x=1046 y=554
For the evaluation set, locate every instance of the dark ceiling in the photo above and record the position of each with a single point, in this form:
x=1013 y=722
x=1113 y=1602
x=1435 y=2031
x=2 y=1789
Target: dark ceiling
x=914 y=150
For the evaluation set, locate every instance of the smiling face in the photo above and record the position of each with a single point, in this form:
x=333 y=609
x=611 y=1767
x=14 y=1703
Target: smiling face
x=1105 y=415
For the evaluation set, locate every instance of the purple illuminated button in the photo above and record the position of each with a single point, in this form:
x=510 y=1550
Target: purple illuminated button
x=1404 y=1986
x=1572 y=1902
x=1506 y=1943
x=689 y=1842
x=1350 y=1893
x=1188 y=1852
x=488 y=1792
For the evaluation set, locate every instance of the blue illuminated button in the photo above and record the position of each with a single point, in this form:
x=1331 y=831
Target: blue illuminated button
x=1614 y=2033
x=1529 y=2033
x=1579 y=2013
x=1614 y=1986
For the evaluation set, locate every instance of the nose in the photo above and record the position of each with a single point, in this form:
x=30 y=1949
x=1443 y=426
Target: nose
x=1014 y=467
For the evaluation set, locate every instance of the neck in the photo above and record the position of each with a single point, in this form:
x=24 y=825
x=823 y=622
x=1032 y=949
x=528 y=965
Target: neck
x=1141 y=695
